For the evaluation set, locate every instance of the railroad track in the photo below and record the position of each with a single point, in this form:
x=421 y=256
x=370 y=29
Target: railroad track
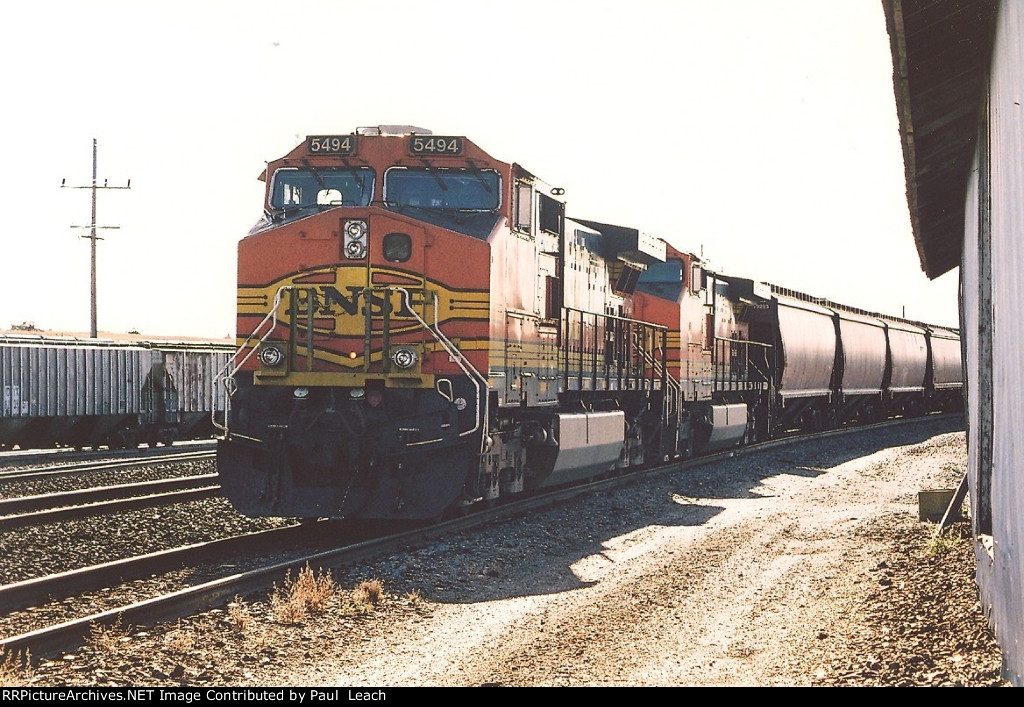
x=55 y=507
x=32 y=473
x=22 y=511
x=184 y=601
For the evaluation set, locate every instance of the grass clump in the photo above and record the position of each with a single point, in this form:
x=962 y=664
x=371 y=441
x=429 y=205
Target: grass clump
x=307 y=594
x=240 y=615
x=367 y=595
x=15 y=669
x=106 y=639
x=941 y=544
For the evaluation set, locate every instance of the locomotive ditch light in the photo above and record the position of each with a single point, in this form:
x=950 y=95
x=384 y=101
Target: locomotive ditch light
x=357 y=393
x=301 y=393
x=404 y=358
x=271 y=356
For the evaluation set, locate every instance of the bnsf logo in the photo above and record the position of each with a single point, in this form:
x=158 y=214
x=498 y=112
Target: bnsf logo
x=329 y=301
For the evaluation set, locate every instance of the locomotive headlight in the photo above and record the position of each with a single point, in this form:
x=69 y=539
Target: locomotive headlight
x=300 y=393
x=355 y=239
x=355 y=249
x=271 y=355
x=356 y=230
x=404 y=357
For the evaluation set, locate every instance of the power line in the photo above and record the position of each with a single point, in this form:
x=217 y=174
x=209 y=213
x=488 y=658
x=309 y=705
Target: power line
x=92 y=233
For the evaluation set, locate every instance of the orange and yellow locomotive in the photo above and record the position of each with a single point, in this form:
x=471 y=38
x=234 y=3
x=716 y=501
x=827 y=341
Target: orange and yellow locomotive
x=421 y=326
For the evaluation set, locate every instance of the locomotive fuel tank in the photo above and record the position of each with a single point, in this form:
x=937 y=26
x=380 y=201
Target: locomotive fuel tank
x=573 y=446
x=719 y=427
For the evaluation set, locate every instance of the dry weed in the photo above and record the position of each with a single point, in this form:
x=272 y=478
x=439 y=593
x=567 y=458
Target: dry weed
x=941 y=544
x=181 y=639
x=241 y=617
x=106 y=639
x=367 y=594
x=308 y=593
x=15 y=669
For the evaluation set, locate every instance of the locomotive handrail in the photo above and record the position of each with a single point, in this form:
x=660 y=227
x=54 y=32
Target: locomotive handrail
x=460 y=360
x=627 y=334
x=229 y=378
x=725 y=375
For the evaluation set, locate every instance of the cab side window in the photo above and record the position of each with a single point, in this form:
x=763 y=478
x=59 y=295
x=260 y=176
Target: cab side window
x=551 y=215
x=524 y=207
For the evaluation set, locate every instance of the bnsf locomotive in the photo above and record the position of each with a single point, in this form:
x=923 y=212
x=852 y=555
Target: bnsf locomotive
x=422 y=327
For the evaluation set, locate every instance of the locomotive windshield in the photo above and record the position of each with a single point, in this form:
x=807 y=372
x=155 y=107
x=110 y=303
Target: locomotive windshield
x=443 y=189
x=308 y=187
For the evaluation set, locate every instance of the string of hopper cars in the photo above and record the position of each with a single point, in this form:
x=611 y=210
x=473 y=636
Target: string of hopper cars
x=421 y=326
x=71 y=392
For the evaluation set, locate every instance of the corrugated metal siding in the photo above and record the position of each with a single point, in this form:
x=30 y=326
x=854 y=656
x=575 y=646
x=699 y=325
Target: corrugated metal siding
x=60 y=381
x=193 y=372
x=1005 y=584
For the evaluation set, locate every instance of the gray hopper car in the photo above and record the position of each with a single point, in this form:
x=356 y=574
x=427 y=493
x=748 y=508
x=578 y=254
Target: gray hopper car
x=67 y=392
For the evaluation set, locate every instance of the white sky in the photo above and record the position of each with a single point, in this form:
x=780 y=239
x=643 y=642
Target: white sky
x=761 y=133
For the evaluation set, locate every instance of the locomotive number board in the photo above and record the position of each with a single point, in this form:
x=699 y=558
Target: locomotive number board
x=331 y=144
x=435 y=145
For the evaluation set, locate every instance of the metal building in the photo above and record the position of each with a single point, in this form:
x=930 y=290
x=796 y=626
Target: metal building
x=958 y=74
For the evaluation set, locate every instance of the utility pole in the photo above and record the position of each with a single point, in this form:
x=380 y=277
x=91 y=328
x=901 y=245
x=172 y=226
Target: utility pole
x=92 y=234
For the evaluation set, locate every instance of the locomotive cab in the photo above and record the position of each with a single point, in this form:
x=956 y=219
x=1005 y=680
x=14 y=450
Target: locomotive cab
x=362 y=327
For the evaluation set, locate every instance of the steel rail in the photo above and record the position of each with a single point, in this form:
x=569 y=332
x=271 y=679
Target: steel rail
x=61 y=499
x=19 y=595
x=42 y=472
x=52 y=515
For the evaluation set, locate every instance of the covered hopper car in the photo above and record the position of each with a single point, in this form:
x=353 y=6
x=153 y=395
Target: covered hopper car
x=68 y=392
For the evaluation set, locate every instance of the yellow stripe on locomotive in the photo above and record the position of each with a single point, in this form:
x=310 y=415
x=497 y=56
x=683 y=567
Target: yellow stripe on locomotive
x=332 y=330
